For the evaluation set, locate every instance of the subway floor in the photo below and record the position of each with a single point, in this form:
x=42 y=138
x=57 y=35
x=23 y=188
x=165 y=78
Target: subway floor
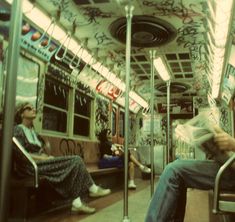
x=110 y=208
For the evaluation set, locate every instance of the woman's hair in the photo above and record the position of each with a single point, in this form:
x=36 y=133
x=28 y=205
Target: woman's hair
x=19 y=110
x=102 y=135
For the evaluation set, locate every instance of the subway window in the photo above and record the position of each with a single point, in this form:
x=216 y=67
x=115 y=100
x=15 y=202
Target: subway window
x=55 y=110
x=121 y=124
x=82 y=114
x=114 y=121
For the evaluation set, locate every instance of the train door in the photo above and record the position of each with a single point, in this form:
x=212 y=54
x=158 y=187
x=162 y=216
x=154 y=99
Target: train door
x=118 y=116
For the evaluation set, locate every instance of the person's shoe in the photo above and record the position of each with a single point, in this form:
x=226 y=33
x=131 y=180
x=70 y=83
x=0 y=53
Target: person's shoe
x=131 y=185
x=84 y=209
x=145 y=169
x=100 y=192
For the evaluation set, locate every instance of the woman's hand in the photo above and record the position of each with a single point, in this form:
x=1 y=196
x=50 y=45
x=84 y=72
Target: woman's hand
x=41 y=157
x=223 y=140
x=117 y=153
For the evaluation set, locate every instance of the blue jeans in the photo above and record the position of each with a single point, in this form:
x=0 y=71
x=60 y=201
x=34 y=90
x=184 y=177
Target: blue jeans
x=169 y=200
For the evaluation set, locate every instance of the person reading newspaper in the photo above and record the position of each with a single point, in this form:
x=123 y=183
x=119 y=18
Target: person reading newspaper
x=199 y=133
x=169 y=200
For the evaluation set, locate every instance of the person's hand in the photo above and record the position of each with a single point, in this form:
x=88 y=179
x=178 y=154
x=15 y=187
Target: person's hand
x=223 y=140
x=47 y=145
x=51 y=157
x=41 y=157
x=117 y=153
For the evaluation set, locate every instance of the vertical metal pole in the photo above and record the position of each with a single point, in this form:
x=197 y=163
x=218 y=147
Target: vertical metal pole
x=152 y=57
x=9 y=105
x=129 y=9
x=168 y=123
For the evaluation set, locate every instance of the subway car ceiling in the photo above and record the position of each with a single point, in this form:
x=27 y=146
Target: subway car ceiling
x=87 y=38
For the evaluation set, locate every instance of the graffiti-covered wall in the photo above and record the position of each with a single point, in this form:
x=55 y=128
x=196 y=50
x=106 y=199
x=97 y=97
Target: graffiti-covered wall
x=101 y=114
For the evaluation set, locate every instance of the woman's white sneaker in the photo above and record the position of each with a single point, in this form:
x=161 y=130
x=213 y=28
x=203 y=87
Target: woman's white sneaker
x=83 y=209
x=100 y=192
x=131 y=185
x=145 y=169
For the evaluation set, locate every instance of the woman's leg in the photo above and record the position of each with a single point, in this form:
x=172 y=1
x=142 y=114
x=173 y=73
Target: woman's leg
x=134 y=160
x=140 y=165
x=69 y=176
x=131 y=183
x=173 y=184
x=131 y=170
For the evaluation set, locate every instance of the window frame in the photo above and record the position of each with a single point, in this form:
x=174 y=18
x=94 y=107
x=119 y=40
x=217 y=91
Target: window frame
x=89 y=117
x=53 y=132
x=70 y=112
x=116 y=137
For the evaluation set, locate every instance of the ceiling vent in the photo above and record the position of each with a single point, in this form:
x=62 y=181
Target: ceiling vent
x=147 y=31
x=175 y=87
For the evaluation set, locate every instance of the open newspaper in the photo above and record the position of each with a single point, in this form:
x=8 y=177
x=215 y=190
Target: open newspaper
x=199 y=132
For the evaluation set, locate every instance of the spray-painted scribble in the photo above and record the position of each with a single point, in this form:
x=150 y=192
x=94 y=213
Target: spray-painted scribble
x=64 y=8
x=94 y=13
x=225 y=119
x=171 y=7
x=102 y=38
x=188 y=37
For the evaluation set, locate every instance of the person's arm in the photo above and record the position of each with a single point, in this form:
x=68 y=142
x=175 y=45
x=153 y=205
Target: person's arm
x=117 y=150
x=20 y=136
x=46 y=146
x=40 y=157
x=223 y=140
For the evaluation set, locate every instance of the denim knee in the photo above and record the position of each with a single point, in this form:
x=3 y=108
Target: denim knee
x=172 y=167
x=171 y=172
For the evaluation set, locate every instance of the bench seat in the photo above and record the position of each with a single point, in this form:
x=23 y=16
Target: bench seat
x=31 y=196
x=93 y=169
x=24 y=196
x=227 y=196
x=108 y=177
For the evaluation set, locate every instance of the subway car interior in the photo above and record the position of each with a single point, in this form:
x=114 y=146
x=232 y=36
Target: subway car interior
x=99 y=97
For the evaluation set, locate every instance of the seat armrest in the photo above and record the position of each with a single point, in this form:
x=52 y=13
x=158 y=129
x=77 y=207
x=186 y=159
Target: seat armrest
x=218 y=178
x=30 y=159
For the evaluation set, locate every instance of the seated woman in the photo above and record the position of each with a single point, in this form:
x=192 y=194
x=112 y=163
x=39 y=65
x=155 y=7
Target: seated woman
x=68 y=174
x=110 y=151
x=169 y=200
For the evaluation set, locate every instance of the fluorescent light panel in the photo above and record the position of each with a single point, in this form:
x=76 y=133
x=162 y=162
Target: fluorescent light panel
x=138 y=99
x=161 y=69
x=221 y=20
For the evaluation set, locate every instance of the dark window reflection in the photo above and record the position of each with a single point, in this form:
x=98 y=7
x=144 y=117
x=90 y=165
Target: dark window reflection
x=114 y=123
x=82 y=112
x=82 y=104
x=56 y=94
x=54 y=120
x=121 y=124
x=81 y=126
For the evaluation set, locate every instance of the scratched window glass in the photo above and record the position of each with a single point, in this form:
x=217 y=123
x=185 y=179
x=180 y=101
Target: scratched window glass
x=121 y=124
x=54 y=120
x=55 y=108
x=82 y=113
x=114 y=121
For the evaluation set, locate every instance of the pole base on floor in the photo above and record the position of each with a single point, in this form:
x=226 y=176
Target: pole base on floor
x=126 y=219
